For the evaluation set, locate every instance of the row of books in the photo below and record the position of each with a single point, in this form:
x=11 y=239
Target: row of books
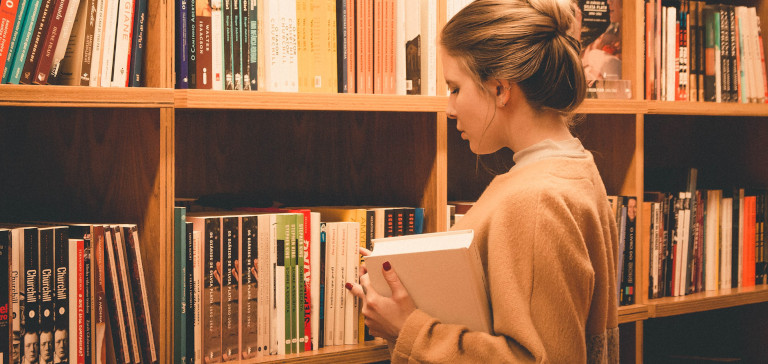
x=74 y=285
x=706 y=240
x=73 y=42
x=330 y=46
x=269 y=281
x=704 y=52
x=625 y=210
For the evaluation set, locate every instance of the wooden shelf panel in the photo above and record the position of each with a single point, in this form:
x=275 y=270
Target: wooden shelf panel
x=80 y=96
x=706 y=301
x=595 y=106
x=256 y=100
x=706 y=108
x=632 y=313
x=370 y=351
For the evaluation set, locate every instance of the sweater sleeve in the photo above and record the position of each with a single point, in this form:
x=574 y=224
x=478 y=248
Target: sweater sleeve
x=540 y=281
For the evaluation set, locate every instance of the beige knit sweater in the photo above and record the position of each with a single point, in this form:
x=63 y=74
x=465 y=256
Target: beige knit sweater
x=548 y=241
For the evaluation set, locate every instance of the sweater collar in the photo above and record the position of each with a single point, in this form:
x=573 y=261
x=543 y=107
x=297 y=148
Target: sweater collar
x=547 y=148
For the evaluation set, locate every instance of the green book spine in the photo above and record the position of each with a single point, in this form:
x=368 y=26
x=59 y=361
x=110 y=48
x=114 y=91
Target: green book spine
x=180 y=285
x=299 y=268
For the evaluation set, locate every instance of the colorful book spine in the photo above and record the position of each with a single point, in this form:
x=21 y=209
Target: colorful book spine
x=191 y=43
x=8 y=10
x=51 y=40
x=204 y=54
x=182 y=73
x=15 y=36
x=5 y=293
x=36 y=42
x=26 y=28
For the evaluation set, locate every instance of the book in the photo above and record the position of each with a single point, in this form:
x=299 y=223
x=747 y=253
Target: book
x=136 y=75
x=230 y=288
x=139 y=295
x=179 y=284
x=437 y=268
x=209 y=227
x=249 y=294
x=117 y=319
x=129 y=310
x=13 y=38
x=5 y=293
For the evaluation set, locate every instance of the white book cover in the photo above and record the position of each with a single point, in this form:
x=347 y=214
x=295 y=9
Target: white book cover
x=341 y=279
x=272 y=49
x=741 y=236
x=123 y=44
x=352 y=266
x=98 y=42
x=671 y=45
x=314 y=278
x=662 y=44
x=437 y=268
x=757 y=74
x=108 y=45
x=197 y=269
x=331 y=231
x=429 y=47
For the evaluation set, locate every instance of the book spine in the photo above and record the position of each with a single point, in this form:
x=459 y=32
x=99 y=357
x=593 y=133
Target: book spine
x=197 y=292
x=341 y=279
x=190 y=292
x=71 y=294
x=136 y=66
x=87 y=306
x=280 y=286
x=305 y=280
x=262 y=277
x=36 y=43
x=108 y=45
x=203 y=57
x=139 y=295
x=249 y=249
x=99 y=294
x=51 y=40
x=292 y=339
x=245 y=45
x=342 y=36
x=8 y=10
x=123 y=33
x=47 y=284
x=331 y=253
x=227 y=32
x=66 y=39
x=351 y=303
x=322 y=289
x=5 y=293
x=274 y=254
x=212 y=295
x=180 y=288
x=17 y=286
x=229 y=315
x=253 y=45
x=117 y=318
x=98 y=42
x=191 y=39
x=129 y=311
x=217 y=46
x=26 y=29
x=314 y=280
x=237 y=30
x=13 y=41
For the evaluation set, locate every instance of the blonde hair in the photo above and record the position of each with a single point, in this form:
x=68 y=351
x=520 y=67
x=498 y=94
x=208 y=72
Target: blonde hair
x=523 y=41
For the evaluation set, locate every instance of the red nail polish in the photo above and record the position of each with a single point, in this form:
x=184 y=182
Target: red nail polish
x=387 y=266
x=349 y=286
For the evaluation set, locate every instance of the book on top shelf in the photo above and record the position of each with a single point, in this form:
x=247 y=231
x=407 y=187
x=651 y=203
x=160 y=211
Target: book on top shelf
x=437 y=268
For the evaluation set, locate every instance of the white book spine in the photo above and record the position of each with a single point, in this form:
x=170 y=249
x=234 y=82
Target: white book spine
x=108 y=47
x=217 y=46
x=758 y=89
x=341 y=277
x=741 y=237
x=264 y=274
x=271 y=43
x=314 y=273
x=662 y=44
x=352 y=266
x=123 y=43
x=66 y=30
x=289 y=54
x=98 y=42
x=330 y=282
x=725 y=208
x=671 y=45
x=429 y=47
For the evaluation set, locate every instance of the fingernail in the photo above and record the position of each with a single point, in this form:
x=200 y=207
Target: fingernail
x=387 y=266
x=349 y=286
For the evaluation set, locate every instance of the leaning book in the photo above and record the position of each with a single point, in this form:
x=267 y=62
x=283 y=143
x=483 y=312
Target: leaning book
x=442 y=272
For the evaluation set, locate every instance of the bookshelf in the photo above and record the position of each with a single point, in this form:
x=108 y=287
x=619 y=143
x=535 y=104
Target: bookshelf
x=106 y=155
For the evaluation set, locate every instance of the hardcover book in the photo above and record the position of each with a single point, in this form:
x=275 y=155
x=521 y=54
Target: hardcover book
x=437 y=268
x=139 y=296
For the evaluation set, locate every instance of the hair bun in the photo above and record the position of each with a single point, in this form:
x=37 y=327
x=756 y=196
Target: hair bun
x=560 y=11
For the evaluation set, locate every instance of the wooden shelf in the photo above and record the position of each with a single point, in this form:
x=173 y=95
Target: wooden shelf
x=256 y=100
x=632 y=313
x=370 y=351
x=80 y=96
x=595 y=106
x=706 y=301
x=706 y=108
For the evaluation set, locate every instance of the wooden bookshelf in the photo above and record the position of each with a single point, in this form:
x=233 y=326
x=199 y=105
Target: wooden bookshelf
x=83 y=97
x=707 y=301
x=368 y=352
x=633 y=313
x=706 y=108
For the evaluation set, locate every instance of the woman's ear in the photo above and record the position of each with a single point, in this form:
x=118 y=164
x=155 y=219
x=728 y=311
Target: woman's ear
x=503 y=92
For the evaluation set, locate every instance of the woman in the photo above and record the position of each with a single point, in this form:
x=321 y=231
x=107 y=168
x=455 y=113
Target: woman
x=545 y=231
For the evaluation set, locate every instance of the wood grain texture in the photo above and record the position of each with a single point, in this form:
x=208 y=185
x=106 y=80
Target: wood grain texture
x=94 y=166
x=305 y=158
x=368 y=352
x=706 y=301
x=77 y=96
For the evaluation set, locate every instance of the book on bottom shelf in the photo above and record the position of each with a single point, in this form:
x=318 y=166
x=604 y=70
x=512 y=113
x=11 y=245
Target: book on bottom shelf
x=436 y=268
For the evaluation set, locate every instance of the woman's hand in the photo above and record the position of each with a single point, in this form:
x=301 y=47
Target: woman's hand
x=384 y=316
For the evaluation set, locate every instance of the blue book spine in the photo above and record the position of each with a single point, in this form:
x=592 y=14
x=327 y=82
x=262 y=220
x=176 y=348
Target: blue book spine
x=137 y=44
x=192 y=43
x=20 y=16
x=182 y=71
x=25 y=38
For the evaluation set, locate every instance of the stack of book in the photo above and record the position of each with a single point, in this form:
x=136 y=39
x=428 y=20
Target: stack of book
x=73 y=42
x=69 y=283
x=270 y=281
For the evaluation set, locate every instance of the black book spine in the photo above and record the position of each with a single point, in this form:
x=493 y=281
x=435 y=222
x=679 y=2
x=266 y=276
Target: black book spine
x=47 y=291
x=230 y=293
x=5 y=293
x=62 y=270
x=249 y=253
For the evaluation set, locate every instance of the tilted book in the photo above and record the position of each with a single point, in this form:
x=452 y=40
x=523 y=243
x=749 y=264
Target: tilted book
x=442 y=272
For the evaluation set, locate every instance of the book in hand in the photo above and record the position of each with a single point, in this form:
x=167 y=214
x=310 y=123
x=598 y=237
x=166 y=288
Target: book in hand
x=442 y=272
